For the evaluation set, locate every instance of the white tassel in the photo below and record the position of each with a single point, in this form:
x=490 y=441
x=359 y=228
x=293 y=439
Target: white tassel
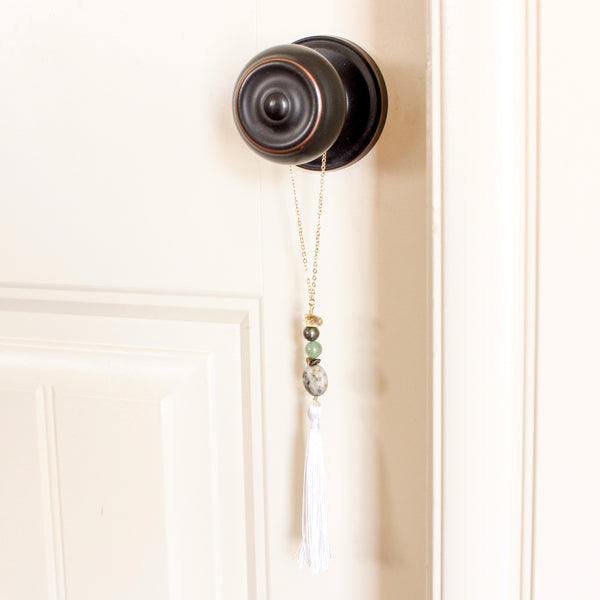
x=314 y=549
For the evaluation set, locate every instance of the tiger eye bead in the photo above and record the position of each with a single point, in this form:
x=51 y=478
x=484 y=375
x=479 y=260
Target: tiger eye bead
x=311 y=333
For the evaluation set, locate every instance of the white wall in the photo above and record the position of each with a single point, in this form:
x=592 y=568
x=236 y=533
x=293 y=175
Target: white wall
x=566 y=550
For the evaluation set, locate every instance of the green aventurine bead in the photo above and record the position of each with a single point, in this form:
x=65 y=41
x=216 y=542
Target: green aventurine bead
x=313 y=349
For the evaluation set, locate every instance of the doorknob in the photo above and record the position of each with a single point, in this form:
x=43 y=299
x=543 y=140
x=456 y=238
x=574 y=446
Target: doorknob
x=320 y=94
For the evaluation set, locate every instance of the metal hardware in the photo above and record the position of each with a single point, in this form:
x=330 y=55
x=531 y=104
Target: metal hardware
x=320 y=94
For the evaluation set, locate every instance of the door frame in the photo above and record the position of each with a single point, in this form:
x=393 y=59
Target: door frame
x=483 y=128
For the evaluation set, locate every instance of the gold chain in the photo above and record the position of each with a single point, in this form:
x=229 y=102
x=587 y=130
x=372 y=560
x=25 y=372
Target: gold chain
x=311 y=280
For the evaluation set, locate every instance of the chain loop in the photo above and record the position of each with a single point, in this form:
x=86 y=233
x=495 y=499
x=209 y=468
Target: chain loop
x=311 y=281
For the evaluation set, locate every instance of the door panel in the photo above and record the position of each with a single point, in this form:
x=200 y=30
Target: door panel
x=137 y=483
x=111 y=495
x=23 y=550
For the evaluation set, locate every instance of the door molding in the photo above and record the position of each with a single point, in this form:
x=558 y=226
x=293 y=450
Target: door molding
x=146 y=330
x=483 y=161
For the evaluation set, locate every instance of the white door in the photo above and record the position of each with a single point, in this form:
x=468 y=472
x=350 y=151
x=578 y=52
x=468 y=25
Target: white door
x=152 y=425
x=517 y=258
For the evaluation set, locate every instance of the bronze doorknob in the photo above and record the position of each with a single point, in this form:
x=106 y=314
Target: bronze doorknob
x=293 y=102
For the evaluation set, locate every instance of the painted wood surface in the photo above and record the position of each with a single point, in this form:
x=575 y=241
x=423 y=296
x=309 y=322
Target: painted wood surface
x=152 y=413
x=515 y=301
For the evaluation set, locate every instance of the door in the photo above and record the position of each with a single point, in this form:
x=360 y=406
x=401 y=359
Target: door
x=152 y=425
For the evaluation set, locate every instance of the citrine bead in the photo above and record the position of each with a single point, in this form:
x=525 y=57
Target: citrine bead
x=312 y=320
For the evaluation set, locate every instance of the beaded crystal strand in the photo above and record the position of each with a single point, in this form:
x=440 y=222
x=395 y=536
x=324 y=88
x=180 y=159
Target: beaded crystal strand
x=314 y=376
x=314 y=549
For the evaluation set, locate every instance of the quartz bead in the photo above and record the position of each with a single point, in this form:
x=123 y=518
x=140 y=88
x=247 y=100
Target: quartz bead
x=315 y=380
x=311 y=333
x=313 y=349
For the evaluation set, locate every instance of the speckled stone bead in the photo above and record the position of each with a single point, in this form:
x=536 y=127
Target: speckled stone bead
x=315 y=380
x=311 y=333
x=313 y=349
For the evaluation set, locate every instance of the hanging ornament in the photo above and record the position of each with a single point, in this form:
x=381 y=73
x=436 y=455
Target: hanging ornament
x=314 y=549
x=319 y=100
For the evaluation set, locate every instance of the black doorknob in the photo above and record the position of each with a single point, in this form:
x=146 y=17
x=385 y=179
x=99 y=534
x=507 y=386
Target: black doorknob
x=293 y=102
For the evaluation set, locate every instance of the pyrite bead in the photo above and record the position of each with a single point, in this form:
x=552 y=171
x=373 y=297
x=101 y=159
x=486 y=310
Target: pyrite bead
x=311 y=333
x=313 y=349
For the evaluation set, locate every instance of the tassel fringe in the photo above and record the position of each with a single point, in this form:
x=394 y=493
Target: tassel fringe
x=314 y=549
